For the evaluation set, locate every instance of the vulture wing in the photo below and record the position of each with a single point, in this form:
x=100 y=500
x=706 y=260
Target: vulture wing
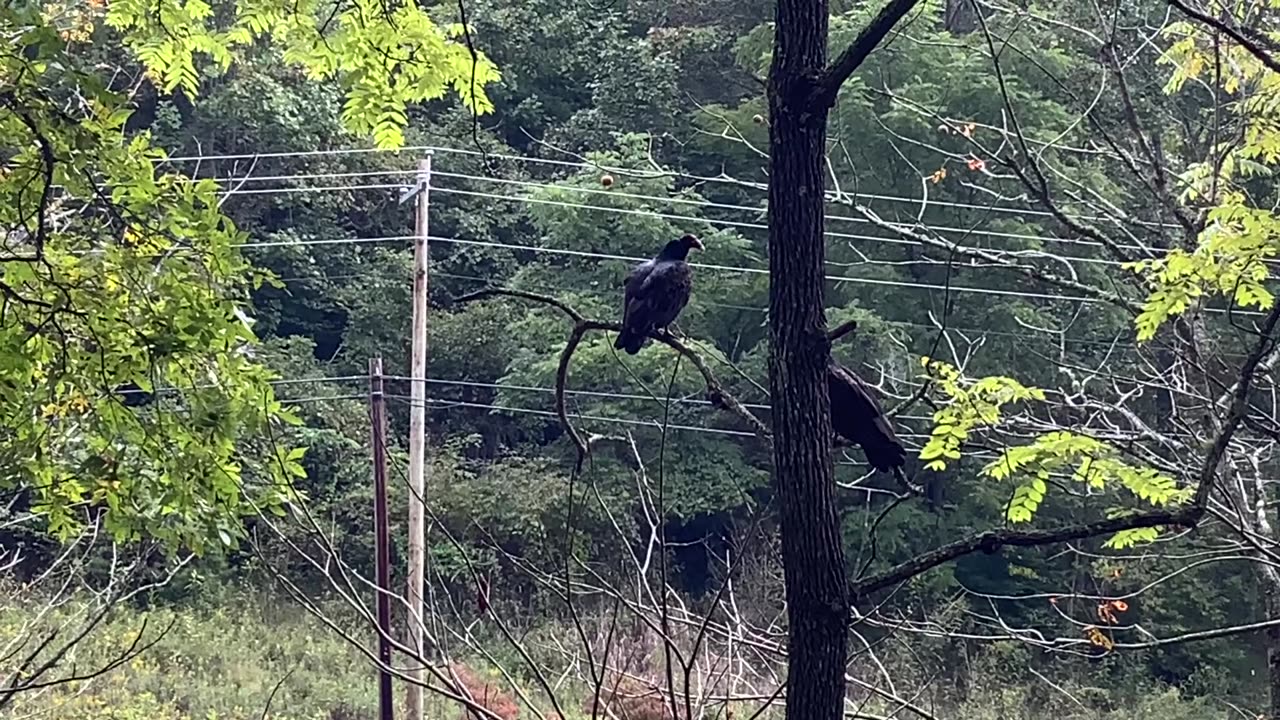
x=655 y=293
x=856 y=416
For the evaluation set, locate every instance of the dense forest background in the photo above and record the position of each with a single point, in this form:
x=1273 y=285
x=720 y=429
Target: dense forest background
x=617 y=126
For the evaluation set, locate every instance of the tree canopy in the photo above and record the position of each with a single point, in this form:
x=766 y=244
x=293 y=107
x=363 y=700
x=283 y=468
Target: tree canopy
x=1055 y=228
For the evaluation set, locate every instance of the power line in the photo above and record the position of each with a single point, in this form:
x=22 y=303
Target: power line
x=1055 y=335
x=549 y=390
x=596 y=393
x=281 y=382
x=727 y=268
x=756 y=226
x=650 y=398
x=328 y=398
x=939 y=229
x=653 y=424
x=648 y=174
x=405 y=399
x=717 y=222
x=527 y=388
x=568 y=391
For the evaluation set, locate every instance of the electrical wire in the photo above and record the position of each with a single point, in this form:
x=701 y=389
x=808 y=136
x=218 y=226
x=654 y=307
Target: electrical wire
x=547 y=413
x=1055 y=335
x=649 y=398
x=728 y=268
x=617 y=170
x=568 y=391
x=329 y=398
x=938 y=229
x=709 y=266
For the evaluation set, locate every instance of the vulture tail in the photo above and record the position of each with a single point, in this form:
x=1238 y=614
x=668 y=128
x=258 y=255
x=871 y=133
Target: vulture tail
x=882 y=448
x=629 y=341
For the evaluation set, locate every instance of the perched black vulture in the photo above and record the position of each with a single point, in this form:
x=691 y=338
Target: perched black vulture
x=856 y=416
x=655 y=292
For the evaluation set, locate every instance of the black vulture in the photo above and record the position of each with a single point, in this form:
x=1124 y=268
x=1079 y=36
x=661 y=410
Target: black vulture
x=655 y=292
x=856 y=416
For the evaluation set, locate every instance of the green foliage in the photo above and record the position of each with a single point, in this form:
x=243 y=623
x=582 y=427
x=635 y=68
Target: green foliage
x=1240 y=235
x=212 y=664
x=609 y=82
x=971 y=403
x=221 y=664
x=386 y=55
x=125 y=277
x=1230 y=260
x=1092 y=463
x=968 y=404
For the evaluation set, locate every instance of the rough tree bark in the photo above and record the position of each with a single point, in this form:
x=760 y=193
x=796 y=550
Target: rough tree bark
x=812 y=553
x=961 y=17
x=801 y=91
x=1272 y=594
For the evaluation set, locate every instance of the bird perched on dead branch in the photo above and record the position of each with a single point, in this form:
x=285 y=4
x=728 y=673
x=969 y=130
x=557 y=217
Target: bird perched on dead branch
x=655 y=292
x=856 y=416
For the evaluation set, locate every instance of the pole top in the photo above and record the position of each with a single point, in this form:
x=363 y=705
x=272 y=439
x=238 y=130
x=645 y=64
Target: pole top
x=409 y=192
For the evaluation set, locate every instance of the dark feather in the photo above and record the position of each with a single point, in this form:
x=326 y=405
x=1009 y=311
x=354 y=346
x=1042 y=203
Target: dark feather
x=654 y=294
x=856 y=416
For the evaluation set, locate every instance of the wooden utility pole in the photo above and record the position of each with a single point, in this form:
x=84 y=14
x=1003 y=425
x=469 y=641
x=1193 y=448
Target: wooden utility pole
x=418 y=438
x=382 y=534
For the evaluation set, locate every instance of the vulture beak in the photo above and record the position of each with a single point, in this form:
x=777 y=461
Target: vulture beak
x=695 y=242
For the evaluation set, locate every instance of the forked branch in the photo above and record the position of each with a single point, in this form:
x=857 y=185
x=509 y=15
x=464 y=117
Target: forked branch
x=854 y=55
x=715 y=391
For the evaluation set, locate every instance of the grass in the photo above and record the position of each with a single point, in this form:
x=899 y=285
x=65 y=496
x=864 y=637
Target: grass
x=224 y=662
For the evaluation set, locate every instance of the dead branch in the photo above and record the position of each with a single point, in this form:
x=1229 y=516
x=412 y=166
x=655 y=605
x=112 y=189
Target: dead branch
x=841 y=330
x=715 y=391
x=992 y=540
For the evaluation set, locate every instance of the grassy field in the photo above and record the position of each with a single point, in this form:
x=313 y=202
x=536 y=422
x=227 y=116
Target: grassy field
x=224 y=662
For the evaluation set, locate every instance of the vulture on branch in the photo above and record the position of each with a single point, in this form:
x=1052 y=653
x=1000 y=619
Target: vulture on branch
x=655 y=292
x=856 y=416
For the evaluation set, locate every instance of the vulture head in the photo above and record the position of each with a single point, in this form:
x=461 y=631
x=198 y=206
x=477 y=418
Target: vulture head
x=679 y=249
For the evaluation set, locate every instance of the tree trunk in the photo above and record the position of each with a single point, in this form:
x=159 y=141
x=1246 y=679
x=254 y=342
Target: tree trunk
x=1273 y=647
x=1269 y=577
x=961 y=17
x=812 y=552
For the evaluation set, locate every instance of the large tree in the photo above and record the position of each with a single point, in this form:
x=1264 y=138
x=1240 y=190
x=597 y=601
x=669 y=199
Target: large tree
x=132 y=404
x=802 y=89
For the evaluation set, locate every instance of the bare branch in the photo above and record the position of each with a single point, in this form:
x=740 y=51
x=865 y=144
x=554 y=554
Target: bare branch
x=1239 y=404
x=841 y=330
x=854 y=55
x=715 y=391
x=992 y=540
x=1253 y=43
